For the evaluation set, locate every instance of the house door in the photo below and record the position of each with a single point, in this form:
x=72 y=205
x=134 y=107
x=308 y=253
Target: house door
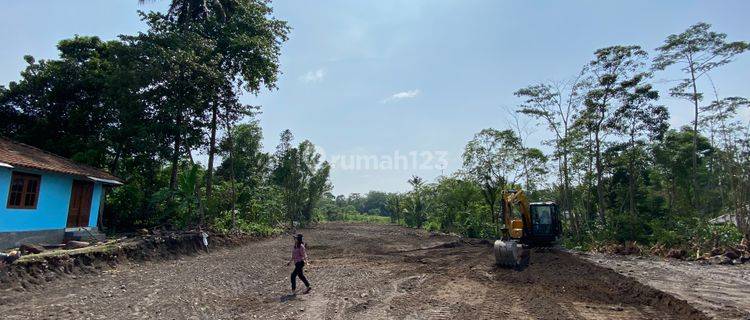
x=80 y=204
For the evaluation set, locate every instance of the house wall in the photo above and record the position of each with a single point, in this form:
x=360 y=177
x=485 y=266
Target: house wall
x=47 y=222
x=95 y=203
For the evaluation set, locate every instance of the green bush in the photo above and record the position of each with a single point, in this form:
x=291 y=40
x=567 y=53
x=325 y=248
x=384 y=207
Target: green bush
x=474 y=226
x=692 y=233
x=358 y=217
x=721 y=235
x=432 y=226
x=223 y=224
x=665 y=235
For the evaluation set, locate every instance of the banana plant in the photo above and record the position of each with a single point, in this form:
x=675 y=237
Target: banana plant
x=182 y=202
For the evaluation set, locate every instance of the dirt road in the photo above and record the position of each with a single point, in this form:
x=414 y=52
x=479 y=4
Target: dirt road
x=358 y=271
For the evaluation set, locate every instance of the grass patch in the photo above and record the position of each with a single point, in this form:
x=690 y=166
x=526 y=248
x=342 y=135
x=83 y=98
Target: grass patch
x=356 y=217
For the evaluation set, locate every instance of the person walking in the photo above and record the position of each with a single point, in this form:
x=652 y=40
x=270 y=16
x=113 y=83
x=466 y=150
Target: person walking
x=299 y=256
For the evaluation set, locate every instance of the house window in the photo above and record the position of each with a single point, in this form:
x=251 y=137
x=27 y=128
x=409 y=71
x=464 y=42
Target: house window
x=24 y=191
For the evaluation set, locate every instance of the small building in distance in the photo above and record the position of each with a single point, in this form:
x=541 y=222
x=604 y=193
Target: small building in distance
x=47 y=198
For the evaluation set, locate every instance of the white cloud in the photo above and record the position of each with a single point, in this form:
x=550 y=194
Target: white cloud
x=314 y=76
x=402 y=95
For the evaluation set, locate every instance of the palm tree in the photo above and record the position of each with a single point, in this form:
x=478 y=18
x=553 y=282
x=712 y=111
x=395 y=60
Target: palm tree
x=418 y=207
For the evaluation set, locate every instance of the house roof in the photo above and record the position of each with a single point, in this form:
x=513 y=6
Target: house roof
x=16 y=154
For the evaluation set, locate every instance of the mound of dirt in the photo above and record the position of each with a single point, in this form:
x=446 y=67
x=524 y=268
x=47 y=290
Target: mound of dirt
x=33 y=270
x=721 y=291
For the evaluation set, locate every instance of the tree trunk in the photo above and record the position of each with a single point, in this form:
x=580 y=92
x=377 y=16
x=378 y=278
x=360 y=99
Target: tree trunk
x=694 y=194
x=490 y=200
x=116 y=161
x=599 y=178
x=197 y=192
x=231 y=174
x=631 y=187
x=590 y=215
x=176 y=155
x=672 y=192
x=211 y=152
x=567 y=198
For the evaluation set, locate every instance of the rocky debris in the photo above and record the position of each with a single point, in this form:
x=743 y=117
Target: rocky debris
x=720 y=260
x=30 y=248
x=76 y=245
x=745 y=242
x=716 y=251
x=731 y=253
x=727 y=256
x=629 y=248
x=677 y=254
x=724 y=255
x=8 y=258
x=658 y=250
x=143 y=232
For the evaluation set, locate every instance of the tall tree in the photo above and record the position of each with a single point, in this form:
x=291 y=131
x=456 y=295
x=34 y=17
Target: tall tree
x=301 y=176
x=246 y=39
x=188 y=11
x=610 y=74
x=697 y=51
x=493 y=159
x=416 y=217
x=394 y=206
x=672 y=160
x=71 y=98
x=180 y=65
x=251 y=164
x=534 y=167
x=638 y=118
x=726 y=133
x=457 y=200
x=556 y=104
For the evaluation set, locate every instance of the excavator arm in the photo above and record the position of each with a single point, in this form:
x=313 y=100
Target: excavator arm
x=514 y=228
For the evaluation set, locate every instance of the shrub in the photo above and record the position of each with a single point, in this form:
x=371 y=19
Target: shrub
x=223 y=224
x=358 y=217
x=432 y=226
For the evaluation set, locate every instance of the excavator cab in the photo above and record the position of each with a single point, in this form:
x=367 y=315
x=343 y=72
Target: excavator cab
x=545 y=226
x=535 y=225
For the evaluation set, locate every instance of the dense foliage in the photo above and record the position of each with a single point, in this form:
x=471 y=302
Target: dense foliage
x=616 y=168
x=141 y=106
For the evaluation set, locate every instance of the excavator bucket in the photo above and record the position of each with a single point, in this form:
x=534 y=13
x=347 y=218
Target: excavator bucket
x=511 y=254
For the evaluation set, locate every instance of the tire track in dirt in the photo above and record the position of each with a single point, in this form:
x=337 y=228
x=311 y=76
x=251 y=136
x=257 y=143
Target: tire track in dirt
x=358 y=271
x=722 y=292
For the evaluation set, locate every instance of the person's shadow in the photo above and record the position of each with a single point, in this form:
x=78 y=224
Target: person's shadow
x=288 y=297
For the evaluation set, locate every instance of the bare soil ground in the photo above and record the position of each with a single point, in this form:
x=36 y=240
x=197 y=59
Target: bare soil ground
x=720 y=291
x=358 y=271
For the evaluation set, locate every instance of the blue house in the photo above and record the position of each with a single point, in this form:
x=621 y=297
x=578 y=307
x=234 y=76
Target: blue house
x=44 y=197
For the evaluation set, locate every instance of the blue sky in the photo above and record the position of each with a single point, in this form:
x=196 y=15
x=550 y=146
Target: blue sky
x=378 y=78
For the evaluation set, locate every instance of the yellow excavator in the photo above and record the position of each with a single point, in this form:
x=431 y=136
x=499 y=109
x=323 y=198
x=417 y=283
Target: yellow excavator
x=537 y=224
